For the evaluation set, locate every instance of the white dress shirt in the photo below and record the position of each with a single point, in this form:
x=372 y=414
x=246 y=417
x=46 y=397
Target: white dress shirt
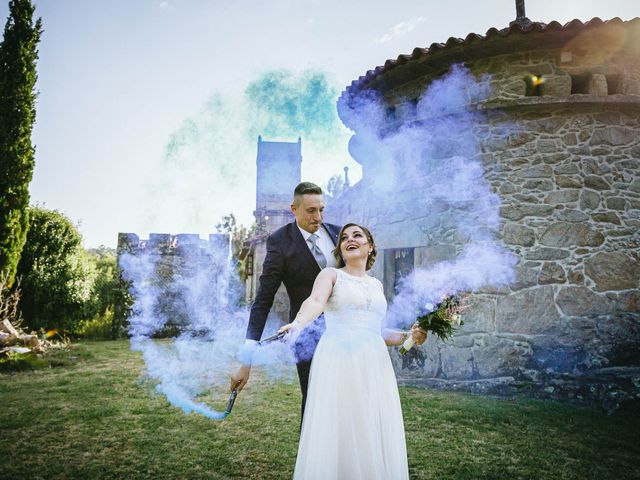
x=324 y=242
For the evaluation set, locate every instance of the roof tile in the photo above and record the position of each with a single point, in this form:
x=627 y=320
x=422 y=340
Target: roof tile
x=514 y=27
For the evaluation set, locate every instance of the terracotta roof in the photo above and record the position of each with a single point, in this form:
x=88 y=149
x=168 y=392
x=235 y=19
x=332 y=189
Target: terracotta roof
x=493 y=34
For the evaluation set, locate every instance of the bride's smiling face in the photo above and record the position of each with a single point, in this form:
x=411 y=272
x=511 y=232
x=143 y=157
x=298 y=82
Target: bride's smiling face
x=354 y=244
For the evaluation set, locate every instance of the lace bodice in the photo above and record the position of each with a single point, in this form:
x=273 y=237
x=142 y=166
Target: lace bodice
x=356 y=302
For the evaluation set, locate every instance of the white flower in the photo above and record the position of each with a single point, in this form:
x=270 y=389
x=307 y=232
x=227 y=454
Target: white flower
x=429 y=307
x=455 y=319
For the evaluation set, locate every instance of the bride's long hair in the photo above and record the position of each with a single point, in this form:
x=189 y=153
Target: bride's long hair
x=372 y=257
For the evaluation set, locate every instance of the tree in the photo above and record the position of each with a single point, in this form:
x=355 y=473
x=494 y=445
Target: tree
x=335 y=186
x=109 y=294
x=105 y=285
x=18 y=55
x=227 y=224
x=57 y=273
x=108 y=306
x=239 y=233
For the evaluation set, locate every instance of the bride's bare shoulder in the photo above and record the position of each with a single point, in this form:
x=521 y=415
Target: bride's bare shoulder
x=329 y=273
x=378 y=282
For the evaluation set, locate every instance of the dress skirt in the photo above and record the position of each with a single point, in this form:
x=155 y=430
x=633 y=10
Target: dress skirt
x=353 y=426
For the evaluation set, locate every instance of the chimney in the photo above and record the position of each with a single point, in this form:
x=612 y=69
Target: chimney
x=521 y=17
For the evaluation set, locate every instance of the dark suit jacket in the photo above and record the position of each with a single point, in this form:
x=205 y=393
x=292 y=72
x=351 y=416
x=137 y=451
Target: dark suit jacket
x=288 y=260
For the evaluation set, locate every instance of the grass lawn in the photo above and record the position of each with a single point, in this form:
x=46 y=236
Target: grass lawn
x=97 y=418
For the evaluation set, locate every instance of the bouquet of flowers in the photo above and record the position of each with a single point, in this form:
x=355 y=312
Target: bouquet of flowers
x=440 y=319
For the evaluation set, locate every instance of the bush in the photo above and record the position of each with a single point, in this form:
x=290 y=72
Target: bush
x=98 y=327
x=105 y=284
x=57 y=273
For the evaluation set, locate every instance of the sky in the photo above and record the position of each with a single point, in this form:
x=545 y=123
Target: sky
x=148 y=111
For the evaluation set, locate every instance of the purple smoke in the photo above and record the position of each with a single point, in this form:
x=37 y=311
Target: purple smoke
x=423 y=173
x=194 y=290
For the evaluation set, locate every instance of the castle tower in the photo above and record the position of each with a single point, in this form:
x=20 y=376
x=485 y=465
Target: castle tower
x=278 y=173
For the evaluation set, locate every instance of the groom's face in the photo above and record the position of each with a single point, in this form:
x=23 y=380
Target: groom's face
x=308 y=210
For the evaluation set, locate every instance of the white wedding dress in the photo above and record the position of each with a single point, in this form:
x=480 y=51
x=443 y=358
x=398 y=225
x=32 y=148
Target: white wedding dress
x=352 y=426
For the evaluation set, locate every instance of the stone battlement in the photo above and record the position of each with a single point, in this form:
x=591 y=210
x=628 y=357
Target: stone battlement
x=167 y=243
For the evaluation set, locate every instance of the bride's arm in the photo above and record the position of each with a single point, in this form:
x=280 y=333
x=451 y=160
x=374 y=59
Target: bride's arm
x=313 y=306
x=396 y=337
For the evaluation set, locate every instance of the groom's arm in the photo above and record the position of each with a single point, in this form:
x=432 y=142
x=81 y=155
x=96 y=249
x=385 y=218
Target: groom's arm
x=272 y=272
x=270 y=280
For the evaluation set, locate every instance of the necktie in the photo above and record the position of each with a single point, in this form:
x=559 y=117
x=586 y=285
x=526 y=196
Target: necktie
x=315 y=249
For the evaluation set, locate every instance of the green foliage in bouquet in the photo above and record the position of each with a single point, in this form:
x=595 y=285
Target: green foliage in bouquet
x=443 y=320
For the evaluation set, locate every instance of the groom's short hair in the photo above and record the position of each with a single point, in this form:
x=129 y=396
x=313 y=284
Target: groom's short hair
x=305 y=188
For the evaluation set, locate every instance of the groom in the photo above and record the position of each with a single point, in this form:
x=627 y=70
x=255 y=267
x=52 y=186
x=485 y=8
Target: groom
x=295 y=255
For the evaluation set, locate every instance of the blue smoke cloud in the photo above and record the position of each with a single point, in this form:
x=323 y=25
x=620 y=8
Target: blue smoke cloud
x=284 y=105
x=208 y=166
x=194 y=290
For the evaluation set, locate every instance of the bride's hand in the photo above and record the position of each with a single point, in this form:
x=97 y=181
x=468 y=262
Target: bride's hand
x=418 y=335
x=291 y=331
x=286 y=328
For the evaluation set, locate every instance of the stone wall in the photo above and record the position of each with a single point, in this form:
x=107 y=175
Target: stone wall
x=570 y=188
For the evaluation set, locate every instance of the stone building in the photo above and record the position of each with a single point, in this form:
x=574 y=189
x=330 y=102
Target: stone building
x=569 y=182
x=278 y=172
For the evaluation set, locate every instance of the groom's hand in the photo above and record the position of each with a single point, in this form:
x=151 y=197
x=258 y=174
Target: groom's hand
x=418 y=335
x=240 y=378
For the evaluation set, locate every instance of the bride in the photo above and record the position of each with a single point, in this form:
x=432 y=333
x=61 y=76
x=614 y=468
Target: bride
x=352 y=427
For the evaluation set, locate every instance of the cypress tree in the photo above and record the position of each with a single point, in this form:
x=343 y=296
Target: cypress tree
x=18 y=55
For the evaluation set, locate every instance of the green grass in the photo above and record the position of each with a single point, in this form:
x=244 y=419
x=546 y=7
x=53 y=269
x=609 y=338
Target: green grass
x=94 y=417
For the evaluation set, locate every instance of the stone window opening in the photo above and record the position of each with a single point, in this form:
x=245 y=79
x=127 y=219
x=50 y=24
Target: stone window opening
x=534 y=85
x=249 y=265
x=614 y=84
x=398 y=263
x=580 y=83
x=391 y=113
